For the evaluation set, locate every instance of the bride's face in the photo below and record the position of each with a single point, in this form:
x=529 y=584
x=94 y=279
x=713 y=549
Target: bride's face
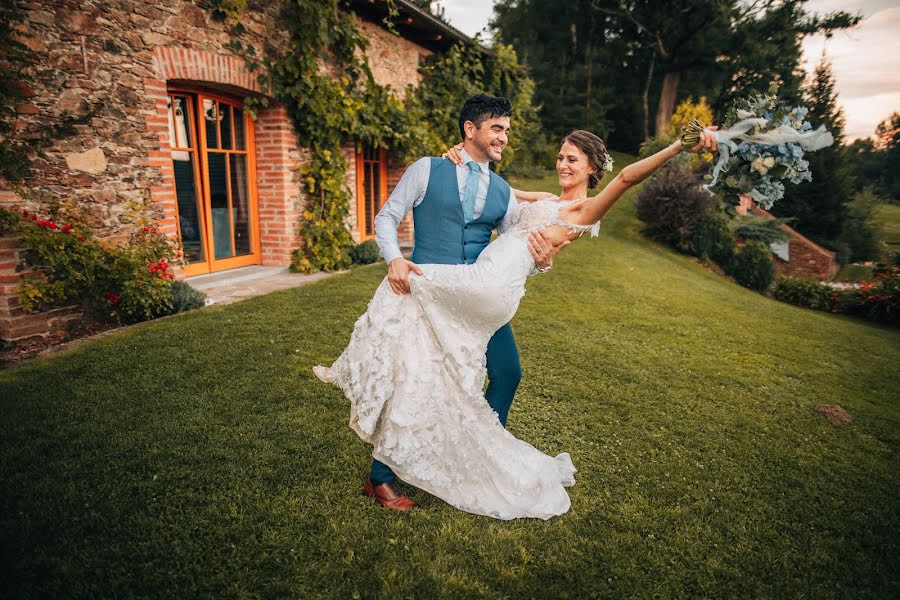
x=572 y=166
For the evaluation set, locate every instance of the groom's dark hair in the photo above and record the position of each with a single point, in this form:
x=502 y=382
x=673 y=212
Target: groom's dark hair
x=481 y=107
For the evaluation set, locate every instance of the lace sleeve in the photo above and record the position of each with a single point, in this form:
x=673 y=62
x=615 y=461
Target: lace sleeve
x=579 y=229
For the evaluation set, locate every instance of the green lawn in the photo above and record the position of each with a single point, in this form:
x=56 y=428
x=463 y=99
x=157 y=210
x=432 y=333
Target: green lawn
x=198 y=456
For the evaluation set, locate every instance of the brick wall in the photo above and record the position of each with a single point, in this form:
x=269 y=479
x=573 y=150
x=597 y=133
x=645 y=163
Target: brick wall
x=805 y=257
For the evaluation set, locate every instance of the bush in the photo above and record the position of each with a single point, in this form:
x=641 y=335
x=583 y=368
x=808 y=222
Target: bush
x=765 y=230
x=185 y=297
x=713 y=240
x=877 y=299
x=805 y=292
x=752 y=266
x=365 y=253
x=672 y=204
x=128 y=282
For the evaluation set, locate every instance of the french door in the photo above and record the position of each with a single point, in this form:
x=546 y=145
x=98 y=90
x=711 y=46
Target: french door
x=215 y=181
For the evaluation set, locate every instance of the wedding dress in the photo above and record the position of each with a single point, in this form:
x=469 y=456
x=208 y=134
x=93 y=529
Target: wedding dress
x=414 y=372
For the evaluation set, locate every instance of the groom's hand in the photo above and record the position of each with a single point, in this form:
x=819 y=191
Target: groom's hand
x=542 y=249
x=398 y=274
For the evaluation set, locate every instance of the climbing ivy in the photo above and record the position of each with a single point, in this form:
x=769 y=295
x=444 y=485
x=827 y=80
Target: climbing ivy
x=326 y=84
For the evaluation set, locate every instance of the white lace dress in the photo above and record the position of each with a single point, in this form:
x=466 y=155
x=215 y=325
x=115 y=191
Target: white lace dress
x=414 y=372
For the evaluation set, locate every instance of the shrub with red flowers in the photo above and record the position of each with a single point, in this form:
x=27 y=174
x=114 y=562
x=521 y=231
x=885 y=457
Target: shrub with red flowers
x=877 y=299
x=126 y=282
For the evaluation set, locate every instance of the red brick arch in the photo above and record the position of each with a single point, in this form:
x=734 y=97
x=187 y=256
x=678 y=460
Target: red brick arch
x=277 y=153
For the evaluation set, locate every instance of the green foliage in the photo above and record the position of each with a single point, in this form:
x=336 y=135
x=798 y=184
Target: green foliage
x=185 y=297
x=671 y=205
x=752 y=266
x=328 y=87
x=365 y=253
x=127 y=283
x=819 y=206
x=877 y=299
x=803 y=291
x=888 y=136
x=752 y=227
x=713 y=240
x=861 y=232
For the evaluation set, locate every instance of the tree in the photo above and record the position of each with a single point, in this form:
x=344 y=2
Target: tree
x=819 y=206
x=888 y=141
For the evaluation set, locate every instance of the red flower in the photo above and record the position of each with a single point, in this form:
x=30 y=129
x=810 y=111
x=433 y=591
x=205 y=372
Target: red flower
x=146 y=229
x=114 y=298
x=67 y=227
x=81 y=238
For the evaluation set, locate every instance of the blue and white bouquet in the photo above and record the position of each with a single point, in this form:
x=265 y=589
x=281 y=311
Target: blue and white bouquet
x=762 y=143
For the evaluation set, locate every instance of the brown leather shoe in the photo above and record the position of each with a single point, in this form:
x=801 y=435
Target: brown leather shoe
x=388 y=496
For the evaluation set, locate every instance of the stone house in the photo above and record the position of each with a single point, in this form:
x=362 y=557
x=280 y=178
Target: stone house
x=168 y=134
x=799 y=256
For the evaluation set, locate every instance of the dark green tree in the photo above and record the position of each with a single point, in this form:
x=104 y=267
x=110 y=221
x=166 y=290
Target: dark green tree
x=819 y=206
x=888 y=141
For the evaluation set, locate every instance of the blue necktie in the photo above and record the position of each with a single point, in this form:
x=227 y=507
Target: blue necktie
x=468 y=201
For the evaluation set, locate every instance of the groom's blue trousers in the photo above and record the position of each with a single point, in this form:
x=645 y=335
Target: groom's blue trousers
x=504 y=374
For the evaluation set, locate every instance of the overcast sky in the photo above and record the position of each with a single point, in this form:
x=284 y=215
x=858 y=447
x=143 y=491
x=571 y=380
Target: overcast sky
x=866 y=59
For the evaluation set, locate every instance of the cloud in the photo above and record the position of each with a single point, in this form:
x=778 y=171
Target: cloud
x=866 y=65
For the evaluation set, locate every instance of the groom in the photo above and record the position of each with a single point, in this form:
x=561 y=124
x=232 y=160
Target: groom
x=455 y=209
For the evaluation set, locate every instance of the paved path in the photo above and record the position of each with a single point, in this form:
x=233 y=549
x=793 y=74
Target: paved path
x=238 y=284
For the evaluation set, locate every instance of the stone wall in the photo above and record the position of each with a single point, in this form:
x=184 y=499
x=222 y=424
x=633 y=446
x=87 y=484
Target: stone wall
x=113 y=60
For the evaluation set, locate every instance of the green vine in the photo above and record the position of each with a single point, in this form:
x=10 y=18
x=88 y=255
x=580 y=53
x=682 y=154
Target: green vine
x=326 y=83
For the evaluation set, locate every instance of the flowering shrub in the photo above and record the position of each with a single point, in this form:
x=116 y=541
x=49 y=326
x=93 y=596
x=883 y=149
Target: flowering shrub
x=128 y=282
x=877 y=299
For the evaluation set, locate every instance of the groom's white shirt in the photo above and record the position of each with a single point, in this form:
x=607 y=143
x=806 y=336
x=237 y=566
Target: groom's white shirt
x=410 y=191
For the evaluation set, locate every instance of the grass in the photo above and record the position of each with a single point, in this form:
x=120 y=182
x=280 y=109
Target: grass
x=198 y=456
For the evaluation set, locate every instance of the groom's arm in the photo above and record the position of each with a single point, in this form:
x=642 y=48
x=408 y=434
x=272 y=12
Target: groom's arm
x=407 y=194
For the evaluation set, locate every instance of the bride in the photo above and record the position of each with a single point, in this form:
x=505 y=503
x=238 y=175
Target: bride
x=414 y=369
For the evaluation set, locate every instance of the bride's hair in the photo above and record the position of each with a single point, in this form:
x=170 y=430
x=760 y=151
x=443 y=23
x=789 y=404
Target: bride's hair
x=596 y=153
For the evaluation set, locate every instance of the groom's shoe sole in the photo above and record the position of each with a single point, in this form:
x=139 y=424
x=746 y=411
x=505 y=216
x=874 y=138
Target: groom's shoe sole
x=388 y=496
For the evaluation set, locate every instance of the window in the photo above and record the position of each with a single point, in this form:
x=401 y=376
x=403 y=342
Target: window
x=371 y=188
x=211 y=141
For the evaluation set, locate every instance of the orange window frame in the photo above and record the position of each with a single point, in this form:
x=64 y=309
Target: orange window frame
x=212 y=264
x=365 y=166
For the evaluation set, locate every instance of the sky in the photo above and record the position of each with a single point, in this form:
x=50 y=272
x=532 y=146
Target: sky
x=865 y=60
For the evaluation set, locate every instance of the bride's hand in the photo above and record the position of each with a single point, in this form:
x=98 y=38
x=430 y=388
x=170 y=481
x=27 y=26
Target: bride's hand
x=542 y=249
x=453 y=154
x=707 y=143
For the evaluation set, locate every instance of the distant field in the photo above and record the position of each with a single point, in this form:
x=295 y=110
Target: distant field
x=889 y=216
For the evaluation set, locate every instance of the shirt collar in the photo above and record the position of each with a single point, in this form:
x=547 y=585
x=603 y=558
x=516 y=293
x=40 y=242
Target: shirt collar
x=466 y=159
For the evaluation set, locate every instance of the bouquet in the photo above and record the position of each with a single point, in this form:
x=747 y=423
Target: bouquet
x=762 y=143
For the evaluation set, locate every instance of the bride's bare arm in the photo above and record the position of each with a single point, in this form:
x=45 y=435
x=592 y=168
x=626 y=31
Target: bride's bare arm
x=591 y=210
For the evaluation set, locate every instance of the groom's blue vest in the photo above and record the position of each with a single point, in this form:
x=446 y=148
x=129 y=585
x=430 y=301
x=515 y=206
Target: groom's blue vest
x=442 y=235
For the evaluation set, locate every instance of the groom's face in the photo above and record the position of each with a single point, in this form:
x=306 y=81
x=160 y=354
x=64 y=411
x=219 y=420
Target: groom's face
x=491 y=138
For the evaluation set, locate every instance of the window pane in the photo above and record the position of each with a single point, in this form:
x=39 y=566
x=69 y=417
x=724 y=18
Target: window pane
x=179 y=123
x=240 y=204
x=240 y=143
x=188 y=198
x=209 y=118
x=225 y=120
x=218 y=195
